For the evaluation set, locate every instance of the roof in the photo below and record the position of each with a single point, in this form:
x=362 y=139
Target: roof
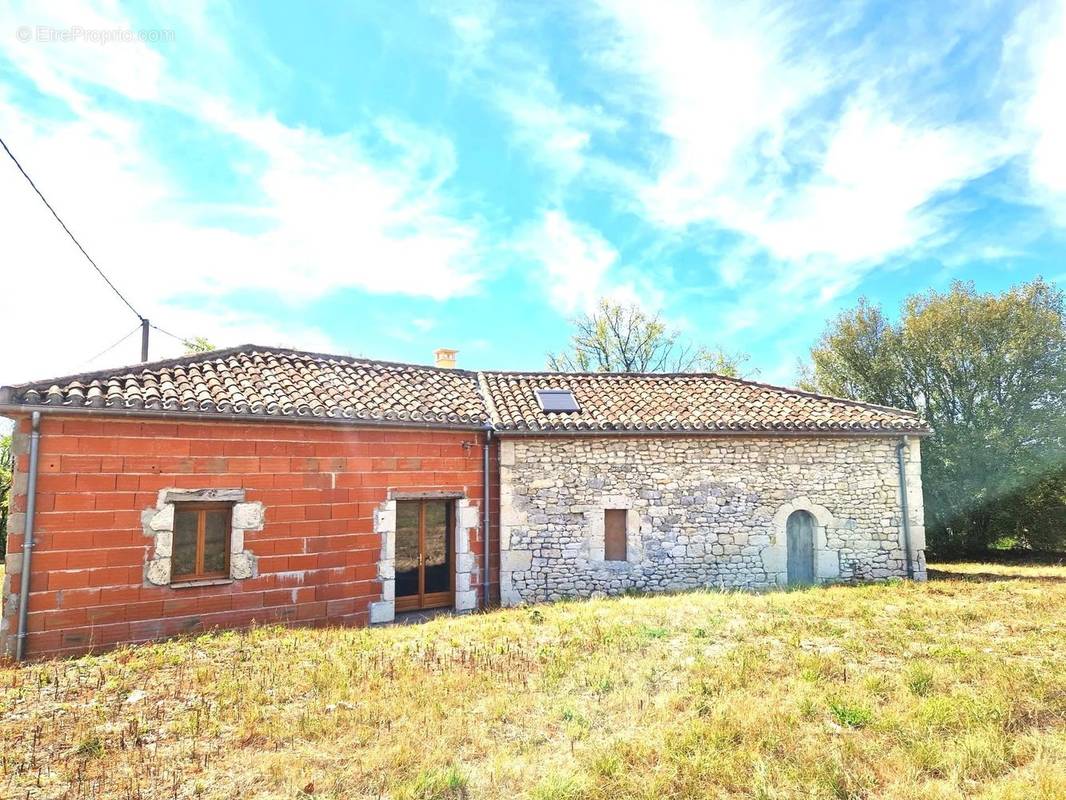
x=279 y=383
x=706 y=402
x=269 y=382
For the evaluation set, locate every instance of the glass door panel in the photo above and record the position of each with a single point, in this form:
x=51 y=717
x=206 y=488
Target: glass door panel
x=436 y=550
x=407 y=549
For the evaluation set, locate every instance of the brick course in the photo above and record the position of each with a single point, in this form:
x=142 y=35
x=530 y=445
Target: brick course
x=317 y=552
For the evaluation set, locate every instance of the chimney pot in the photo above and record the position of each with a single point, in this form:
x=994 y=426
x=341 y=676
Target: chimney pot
x=445 y=357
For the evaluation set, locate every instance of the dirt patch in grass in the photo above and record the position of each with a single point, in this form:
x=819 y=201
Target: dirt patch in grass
x=947 y=690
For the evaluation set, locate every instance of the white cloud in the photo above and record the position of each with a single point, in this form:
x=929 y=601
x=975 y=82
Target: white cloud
x=327 y=214
x=731 y=87
x=495 y=57
x=338 y=218
x=637 y=289
x=720 y=85
x=61 y=67
x=574 y=258
x=555 y=132
x=578 y=267
x=1036 y=49
x=867 y=200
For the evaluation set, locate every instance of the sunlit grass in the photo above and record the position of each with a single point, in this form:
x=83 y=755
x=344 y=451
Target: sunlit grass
x=947 y=690
x=1005 y=570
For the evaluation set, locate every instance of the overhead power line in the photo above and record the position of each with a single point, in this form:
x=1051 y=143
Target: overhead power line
x=71 y=235
x=181 y=339
x=107 y=350
x=145 y=324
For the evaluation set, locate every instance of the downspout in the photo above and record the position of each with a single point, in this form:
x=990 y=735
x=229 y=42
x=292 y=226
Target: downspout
x=27 y=538
x=904 y=507
x=485 y=496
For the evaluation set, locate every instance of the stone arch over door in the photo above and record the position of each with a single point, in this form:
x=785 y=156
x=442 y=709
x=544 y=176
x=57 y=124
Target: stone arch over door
x=775 y=555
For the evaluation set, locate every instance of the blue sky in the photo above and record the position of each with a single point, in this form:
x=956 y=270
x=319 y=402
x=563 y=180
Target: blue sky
x=383 y=179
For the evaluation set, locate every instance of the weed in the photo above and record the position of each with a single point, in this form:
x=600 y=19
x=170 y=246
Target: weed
x=919 y=679
x=849 y=714
x=653 y=633
x=90 y=747
x=446 y=783
x=559 y=787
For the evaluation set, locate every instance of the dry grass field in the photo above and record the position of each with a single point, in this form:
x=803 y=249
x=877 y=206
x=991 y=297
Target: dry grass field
x=947 y=690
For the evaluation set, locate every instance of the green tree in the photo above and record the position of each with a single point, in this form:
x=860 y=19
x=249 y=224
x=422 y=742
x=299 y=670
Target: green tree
x=7 y=465
x=988 y=372
x=197 y=344
x=624 y=338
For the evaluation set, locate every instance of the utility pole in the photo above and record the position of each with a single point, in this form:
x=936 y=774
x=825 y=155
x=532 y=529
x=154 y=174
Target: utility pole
x=144 y=340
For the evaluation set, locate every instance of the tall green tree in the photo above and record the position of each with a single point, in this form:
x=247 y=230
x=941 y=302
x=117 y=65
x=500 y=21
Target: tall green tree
x=625 y=338
x=197 y=344
x=988 y=372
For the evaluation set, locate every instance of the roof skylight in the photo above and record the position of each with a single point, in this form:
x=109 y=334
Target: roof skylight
x=560 y=401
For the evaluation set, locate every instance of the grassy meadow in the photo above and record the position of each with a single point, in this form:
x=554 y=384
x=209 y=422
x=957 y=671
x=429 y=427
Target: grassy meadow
x=952 y=689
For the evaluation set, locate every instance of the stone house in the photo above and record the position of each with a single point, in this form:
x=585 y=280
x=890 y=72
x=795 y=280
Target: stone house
x=682 y=481
x=267 y=485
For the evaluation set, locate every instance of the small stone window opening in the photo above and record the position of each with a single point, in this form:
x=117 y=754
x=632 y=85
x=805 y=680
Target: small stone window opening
x=614 y=534
x=201 y=548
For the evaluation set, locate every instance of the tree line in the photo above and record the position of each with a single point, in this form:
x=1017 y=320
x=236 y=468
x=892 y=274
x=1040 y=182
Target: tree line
x=986 y=370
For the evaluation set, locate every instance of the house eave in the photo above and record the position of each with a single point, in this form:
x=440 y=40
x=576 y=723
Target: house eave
x=850 y=434
x=16 y=409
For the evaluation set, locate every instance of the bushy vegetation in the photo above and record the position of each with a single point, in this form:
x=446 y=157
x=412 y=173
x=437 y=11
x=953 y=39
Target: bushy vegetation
x=6 y=466
x=947 y=690
x=988 y=371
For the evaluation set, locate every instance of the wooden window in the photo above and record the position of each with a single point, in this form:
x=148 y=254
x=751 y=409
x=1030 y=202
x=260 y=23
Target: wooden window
x=614 y=534
x=201 y=541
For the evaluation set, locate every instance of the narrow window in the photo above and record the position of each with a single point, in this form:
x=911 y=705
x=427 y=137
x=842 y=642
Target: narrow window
x=614 y=534
x=201 y=541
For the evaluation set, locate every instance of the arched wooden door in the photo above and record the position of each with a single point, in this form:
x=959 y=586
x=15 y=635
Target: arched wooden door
x=799 y=531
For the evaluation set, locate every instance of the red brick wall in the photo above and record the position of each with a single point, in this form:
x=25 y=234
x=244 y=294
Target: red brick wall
x=317 y=553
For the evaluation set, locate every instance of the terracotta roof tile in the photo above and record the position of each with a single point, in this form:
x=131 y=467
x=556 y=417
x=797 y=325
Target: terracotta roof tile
x=682 y=402
x=276 y=382
x=266 y=381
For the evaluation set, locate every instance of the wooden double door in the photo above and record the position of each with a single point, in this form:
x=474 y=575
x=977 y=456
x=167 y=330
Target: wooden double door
x=425 y=554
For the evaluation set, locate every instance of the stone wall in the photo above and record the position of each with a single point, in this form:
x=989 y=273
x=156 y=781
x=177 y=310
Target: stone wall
x=701 y=511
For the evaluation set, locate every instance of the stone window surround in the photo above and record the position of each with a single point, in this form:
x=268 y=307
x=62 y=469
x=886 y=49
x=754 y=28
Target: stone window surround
x=595 y=522
x=467 y=521
x=775 y=555
x=158 y=524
